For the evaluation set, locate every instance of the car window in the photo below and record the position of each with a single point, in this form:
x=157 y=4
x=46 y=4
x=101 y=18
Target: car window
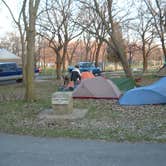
x=7 y=67
x=3 y=67
x=11 y=67
x=85 y=65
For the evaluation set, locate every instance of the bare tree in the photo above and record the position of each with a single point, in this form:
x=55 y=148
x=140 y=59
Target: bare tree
x=132 y=47
x=12 y=43
x=29 y=20
x=72 y=50
x=88 y=44
x=42 y=51
x=92 y=24
x=100 y=34
x=108 y=16
x=21 y=28
x=146 y=32
x=157 y=10
x=59 y=29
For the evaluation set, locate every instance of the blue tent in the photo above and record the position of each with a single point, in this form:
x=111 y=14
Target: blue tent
x=152 y=94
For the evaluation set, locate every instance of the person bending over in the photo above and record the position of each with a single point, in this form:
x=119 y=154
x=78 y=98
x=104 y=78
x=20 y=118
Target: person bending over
x=75 y=75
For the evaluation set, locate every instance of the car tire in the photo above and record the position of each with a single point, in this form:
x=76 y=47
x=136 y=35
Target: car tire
x=19 y=80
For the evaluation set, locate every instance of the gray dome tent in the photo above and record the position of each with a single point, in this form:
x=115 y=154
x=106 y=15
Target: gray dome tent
x=97 y=88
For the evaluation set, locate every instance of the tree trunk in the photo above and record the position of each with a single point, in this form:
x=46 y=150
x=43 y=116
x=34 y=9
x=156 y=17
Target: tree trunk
x=97 y=54
x=130 y=58
x=126 y=67
x=117 y=44
x=64 y=56
x=23 y=45
x=145 y=60
x=30 y=37
x=64 y=64
x=121 y=54
x=163 y=48
x=145 y=64
x=29 y=67
x=58 y=66
x=115 y=66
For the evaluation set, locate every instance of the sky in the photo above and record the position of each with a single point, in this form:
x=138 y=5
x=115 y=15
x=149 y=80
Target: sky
x=7 y=24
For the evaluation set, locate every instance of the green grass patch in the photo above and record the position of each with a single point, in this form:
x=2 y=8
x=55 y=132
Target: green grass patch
x=124 y=83
x=48 y=71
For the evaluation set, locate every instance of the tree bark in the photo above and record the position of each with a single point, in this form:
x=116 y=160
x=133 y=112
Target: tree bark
x=97 y=54
x=58 y=66
x=30 y=37
x=145 y=61
x=120 y=52
x=30 y=95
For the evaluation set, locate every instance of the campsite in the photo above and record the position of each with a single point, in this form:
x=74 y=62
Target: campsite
x=103 y=69
x=83 y=83
x=119 y=109
x=106 y=119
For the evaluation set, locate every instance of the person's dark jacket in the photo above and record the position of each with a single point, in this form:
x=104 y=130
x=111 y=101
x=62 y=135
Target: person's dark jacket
x=75 y=75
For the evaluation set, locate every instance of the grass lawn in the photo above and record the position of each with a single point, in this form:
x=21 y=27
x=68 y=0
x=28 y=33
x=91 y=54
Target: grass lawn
x=106 y=119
